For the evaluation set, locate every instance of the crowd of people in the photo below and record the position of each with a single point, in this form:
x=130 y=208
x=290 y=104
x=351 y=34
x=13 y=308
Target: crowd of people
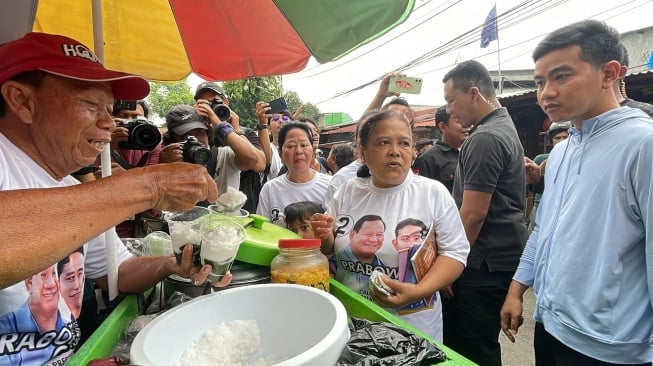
x=372 y=202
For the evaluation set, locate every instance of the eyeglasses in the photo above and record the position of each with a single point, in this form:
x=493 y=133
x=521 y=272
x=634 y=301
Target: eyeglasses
x=281 y=118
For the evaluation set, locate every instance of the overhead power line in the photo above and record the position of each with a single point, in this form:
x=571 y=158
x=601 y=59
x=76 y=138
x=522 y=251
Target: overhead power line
x=514 y=16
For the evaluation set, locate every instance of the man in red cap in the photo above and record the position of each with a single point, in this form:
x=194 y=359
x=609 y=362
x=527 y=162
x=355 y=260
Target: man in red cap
x=55 y=118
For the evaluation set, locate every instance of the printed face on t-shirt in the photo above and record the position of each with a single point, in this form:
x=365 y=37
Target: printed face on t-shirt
x=365 y=242
x=71 y=281
x=43 y=289
x=408 y=236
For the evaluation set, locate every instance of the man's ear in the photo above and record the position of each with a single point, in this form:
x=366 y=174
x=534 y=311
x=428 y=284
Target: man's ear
x=441 y=126
x=622 y=71
x=611 y=71
x=19 y=98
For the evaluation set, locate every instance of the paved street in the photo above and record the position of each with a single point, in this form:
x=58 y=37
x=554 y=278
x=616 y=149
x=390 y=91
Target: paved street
x=520 y=353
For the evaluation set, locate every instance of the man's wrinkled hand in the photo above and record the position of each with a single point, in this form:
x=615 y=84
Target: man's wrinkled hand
x=171 y=153
x=177 y=187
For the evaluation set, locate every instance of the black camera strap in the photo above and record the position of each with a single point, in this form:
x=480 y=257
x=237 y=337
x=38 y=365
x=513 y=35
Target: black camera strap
x=213 y=162
x=124 y=164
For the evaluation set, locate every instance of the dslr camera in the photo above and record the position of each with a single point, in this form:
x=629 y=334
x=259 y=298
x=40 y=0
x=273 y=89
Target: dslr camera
x=220 y=109
x=143 y=135
x=193 y=151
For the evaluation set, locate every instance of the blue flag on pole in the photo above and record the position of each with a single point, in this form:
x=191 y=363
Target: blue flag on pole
x=490 y=31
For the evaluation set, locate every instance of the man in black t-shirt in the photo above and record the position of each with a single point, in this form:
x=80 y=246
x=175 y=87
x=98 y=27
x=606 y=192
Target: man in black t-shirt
x=619 y=88
x=441 y=160
x=490 y=190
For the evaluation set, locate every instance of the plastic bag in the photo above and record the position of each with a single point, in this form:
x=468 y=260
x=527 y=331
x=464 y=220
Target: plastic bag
x=386 y=344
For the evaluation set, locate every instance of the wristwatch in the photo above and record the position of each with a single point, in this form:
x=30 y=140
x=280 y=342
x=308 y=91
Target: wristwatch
x=262 y=127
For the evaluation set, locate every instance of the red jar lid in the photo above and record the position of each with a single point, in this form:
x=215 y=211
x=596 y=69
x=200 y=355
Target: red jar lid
x=299 y=243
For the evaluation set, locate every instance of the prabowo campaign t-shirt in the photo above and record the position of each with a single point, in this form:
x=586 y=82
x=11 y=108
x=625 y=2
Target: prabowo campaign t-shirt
x=38 y=315
x=366 y=220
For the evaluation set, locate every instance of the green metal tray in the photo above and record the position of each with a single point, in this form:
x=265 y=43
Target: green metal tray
x=101 y=343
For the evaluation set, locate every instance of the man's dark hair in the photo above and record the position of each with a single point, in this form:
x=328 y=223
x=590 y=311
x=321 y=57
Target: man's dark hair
x=307 y=119
x=145 y=106
x=66 y=260
x=359 y=224
x=421 y=143
x=412 y=222
x=468 y=74
x=441 y=115
x=142 y=103
x=397 y=101
x=598 y=42
x=343 y=154
x=301 y=211
x=33 y=78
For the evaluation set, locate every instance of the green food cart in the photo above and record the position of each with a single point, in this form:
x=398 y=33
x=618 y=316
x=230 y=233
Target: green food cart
x=259 y=248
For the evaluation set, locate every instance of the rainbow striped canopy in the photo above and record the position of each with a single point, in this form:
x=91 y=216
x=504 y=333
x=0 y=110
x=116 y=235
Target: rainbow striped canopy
x=216 y=39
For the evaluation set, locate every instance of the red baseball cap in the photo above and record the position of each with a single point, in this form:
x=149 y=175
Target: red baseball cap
x=63 y=56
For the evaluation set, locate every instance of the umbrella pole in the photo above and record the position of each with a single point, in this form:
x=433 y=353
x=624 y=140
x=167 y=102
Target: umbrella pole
x=110 y=246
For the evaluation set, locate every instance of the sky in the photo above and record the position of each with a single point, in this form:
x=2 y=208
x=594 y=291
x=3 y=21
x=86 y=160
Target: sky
x=449 y=31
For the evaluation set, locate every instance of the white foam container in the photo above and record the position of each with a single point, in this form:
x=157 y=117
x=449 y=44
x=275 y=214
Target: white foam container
x=304 y=325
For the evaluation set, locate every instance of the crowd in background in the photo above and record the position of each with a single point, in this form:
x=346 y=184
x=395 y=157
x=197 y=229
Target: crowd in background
x=372 y=202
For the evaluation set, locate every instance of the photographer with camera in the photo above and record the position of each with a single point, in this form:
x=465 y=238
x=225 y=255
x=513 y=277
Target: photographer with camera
x=188 y=136
x=240 y=156
x=135 y=141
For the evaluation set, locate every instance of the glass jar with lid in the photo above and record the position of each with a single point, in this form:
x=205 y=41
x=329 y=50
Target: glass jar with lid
x=300 y=262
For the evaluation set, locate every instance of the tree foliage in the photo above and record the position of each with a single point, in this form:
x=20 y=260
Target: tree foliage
x=165 y=95
x=243 y=95
x=294 y=102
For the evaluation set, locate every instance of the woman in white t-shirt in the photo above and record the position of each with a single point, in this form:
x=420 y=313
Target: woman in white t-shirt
x=301 y=182
x=387 y=189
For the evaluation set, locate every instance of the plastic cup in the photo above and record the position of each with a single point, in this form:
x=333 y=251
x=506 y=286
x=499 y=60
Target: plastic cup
x=221 y=238
x=185 y=229
x=157 y=243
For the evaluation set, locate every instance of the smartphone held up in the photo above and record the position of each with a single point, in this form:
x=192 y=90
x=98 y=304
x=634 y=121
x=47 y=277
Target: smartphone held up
x=405 y=84
x=278 y=105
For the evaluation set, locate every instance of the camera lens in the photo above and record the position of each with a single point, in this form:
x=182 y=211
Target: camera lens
x=146 y=136
x=220 y=110
x=199 y=155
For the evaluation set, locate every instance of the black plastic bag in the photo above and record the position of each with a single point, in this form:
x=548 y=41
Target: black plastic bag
x=381 y=344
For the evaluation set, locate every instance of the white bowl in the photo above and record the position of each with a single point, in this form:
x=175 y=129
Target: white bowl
x=301 y=324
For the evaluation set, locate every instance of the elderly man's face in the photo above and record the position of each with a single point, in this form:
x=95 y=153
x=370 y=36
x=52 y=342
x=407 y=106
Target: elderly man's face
x=70 y=123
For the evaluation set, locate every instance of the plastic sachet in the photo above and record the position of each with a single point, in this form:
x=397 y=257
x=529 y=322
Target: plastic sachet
x=377 y=283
